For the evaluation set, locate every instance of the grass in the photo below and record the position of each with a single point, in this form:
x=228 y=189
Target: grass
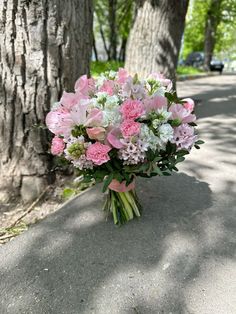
x=98 y=67
x=188 y=70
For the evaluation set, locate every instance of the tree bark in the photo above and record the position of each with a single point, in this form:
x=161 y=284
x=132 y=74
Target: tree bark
x=113 y=29
x=212 y=21
x=44 y=46
x=155 y=38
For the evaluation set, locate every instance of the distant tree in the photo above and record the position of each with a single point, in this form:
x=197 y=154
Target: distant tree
x=213 y=18
x=44 y=47
x=210 y=25
x=113 y=19
x=155 y=38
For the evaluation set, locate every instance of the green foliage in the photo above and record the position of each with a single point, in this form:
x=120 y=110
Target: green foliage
x=194 y=34
x=188 y=70
x=98 y=67
x=124 y=11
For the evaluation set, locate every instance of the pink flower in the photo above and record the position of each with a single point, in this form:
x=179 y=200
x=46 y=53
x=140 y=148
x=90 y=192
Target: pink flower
x=69 y=100
x=108 y=87
x=161 y=78
x=59 y=122
x=188 y=104
x=132 y=109
x=79 y=111
x=122 y=76
x=113 y=138
x=182 y=114
x=58 y=146
x=97 y=133
x=98 y=153
x=184 y=137
x=94 y=118
x=121 y=187
x=130 y=128
x=85 y=85
x=156 y=102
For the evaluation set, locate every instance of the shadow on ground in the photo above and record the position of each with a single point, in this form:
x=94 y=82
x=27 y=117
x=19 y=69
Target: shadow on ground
x=75 y=262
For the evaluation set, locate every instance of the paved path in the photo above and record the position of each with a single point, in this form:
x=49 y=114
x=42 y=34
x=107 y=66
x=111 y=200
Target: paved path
x=179 y=258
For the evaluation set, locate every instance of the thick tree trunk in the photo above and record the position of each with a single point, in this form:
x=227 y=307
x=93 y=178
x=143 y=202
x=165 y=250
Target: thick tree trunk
x=44 y=46
x=212 y=22
x=155 y=38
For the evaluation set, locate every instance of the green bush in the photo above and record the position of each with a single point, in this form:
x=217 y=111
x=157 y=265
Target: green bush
x=98 y=67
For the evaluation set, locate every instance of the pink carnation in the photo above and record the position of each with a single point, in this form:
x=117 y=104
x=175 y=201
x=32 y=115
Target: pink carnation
x=85 y=85
x=108 y=87
x=130 y=128
x=188 y=104
x=132 y=109
x=182 y=114
x=184 y=136
x=58 y=146
x=122 y=76
x=98 y=153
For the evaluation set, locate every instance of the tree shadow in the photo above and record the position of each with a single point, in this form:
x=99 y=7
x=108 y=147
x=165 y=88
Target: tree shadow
x=76 y=262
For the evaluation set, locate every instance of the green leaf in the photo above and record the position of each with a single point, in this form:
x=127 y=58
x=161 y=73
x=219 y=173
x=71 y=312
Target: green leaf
x=107 y=181
x=68 y=193
x=180 y=159
x=197 y=147
x=199 y=142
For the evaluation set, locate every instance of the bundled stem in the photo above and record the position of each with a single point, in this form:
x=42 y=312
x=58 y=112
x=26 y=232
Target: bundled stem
x=124 y=206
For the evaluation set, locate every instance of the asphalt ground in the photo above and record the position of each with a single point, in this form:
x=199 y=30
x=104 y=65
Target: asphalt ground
x=180 y=257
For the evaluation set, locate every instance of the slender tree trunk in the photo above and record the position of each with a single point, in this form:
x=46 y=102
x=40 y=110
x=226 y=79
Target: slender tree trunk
x=212 y=22
x=44 y=46
x=155 y=38
x=113 y=30
x=95 y=48
x=122 y=50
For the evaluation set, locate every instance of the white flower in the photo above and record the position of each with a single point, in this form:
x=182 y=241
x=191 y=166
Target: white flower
x=148 y=137
x=166 y=134
x=111 y=102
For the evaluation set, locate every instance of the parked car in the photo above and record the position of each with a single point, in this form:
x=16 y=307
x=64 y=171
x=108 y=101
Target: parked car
x=196 y=59
x=216 y=65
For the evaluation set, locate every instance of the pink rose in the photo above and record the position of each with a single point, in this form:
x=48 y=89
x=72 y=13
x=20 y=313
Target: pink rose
x=182 y=114
x=188 y=104
x=85 y=85
x=132 y=109
x=97 y=133
x=130 y=128
x=58 y=146
x=108 y=87
x=156 y=102
x=98 y=153
x=94 y=118
x=113 y=138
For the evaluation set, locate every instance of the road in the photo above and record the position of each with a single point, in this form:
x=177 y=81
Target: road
x=178 y=258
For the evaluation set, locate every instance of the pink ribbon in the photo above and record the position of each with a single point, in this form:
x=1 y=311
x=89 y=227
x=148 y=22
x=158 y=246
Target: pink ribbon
x=121 y=187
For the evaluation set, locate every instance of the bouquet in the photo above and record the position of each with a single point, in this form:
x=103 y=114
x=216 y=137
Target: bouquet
x=117 y=127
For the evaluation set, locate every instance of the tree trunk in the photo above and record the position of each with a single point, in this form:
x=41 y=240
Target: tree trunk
x=113 y=30
x=212 y=21
x=155 y=38
x=44 y=47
